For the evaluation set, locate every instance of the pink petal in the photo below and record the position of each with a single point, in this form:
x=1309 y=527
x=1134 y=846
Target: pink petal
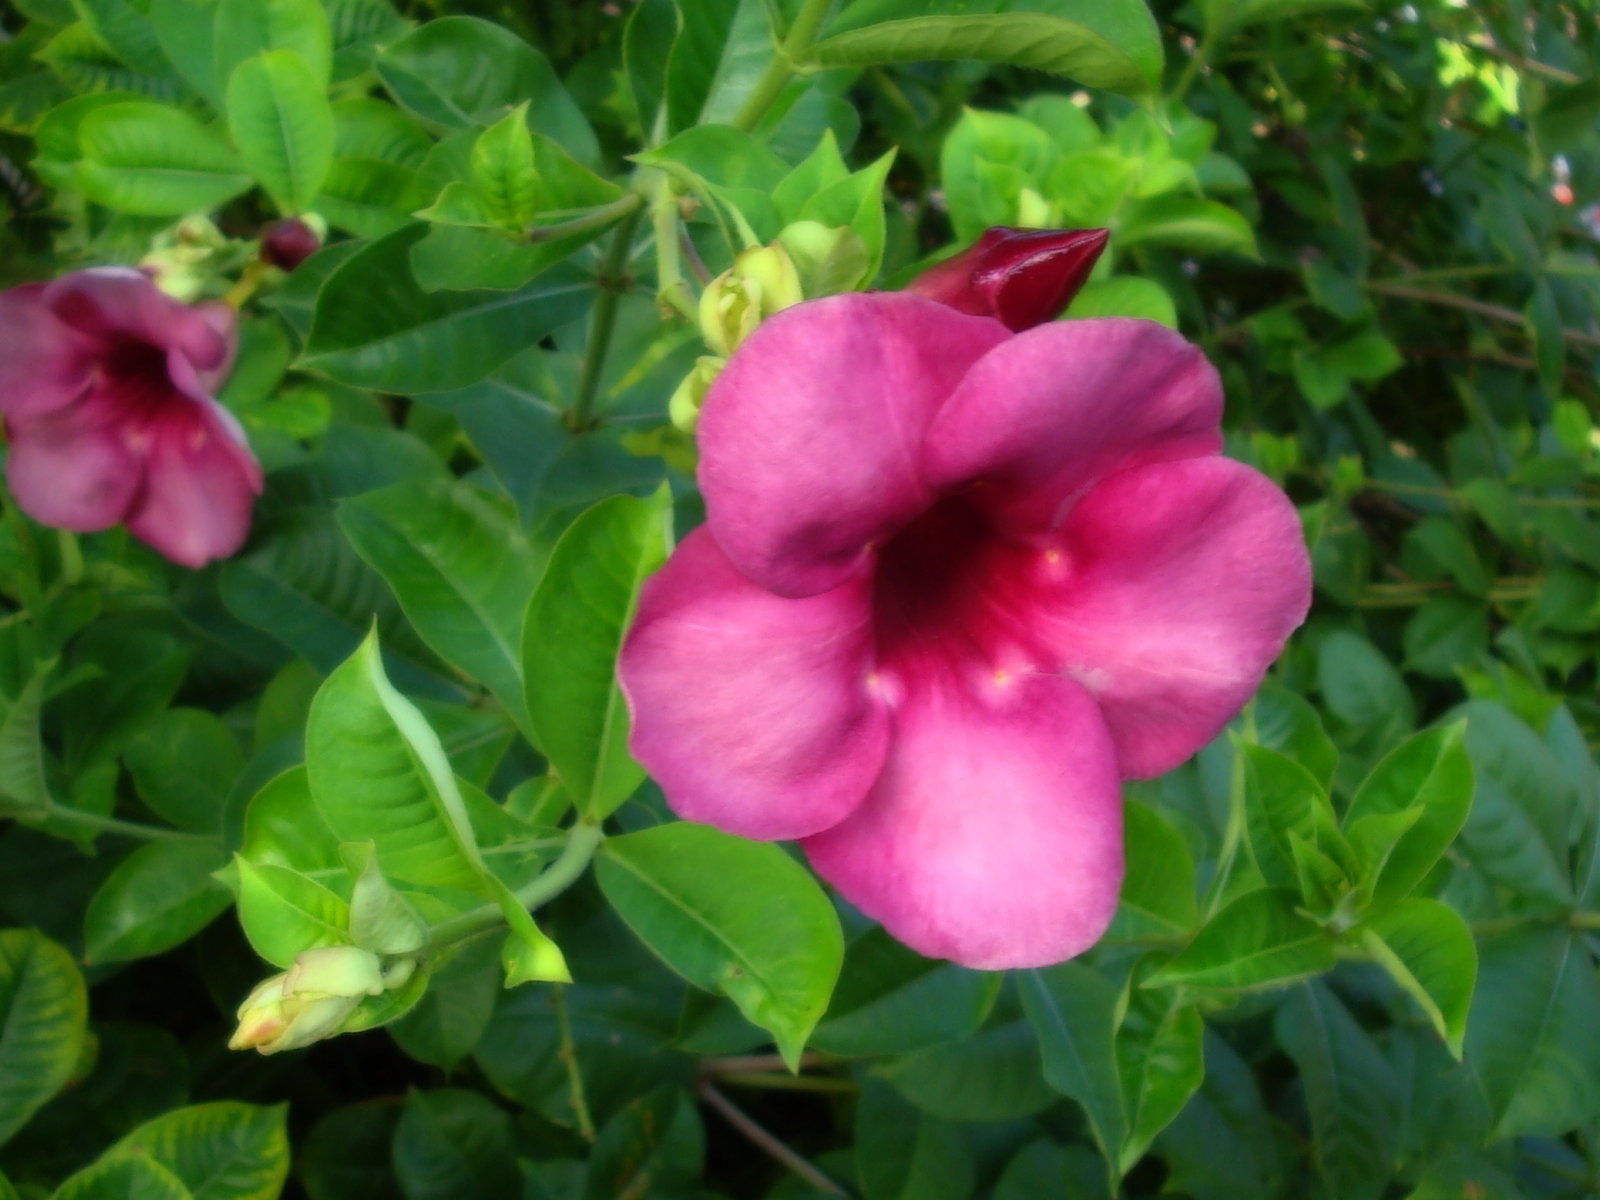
x=74 y=469
x=1037 y=421
x=756 y=714
x=44 y=364
x=1181 y=583
x=222 y=318
x=810 y=438
x=116 y=303
x=201 y=482
x=994 y=836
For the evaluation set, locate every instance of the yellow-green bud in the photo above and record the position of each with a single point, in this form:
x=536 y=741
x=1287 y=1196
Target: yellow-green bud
x=761 y=282
x=308 y=1002
x=829 y=259
x=1033 y=211
x=684 y=407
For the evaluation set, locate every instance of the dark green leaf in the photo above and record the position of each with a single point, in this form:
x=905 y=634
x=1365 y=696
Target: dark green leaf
x=44 y=1013
x=158 y=897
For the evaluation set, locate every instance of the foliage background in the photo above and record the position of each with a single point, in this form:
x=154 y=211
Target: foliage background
x=1380 y=223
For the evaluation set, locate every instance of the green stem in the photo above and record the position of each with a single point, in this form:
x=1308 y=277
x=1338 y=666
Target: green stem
x=671 y=287
x=781 y=69
x=568 y=1053
x=115 y=825
x=568 y=868
x=597 y=218
x=613 y=282
x=1191 y=69
x=71 y=557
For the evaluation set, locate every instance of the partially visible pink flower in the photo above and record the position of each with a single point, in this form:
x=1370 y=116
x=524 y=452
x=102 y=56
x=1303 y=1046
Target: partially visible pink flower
x=953 y=587
x=105 y=387
x=1021 y=277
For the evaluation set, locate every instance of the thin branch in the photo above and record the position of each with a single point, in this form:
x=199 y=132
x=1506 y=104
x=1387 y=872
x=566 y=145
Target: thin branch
x=765 y=1141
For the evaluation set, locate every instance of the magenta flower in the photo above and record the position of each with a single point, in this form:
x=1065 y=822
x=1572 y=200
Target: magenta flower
x=953 y=587
x=105 y=387
x=1021 y=277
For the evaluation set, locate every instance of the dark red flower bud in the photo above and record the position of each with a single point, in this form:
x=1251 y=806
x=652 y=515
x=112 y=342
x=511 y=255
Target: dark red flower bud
x=288 y=243
x=1021 y=277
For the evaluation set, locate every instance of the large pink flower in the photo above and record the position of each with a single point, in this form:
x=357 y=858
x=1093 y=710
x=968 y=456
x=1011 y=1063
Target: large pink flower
x=953 y=587
x=105 y=386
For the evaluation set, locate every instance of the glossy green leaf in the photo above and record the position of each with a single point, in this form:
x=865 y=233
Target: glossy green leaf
x=282 y=126
x=84 y=64
x=1073 y=1010
x=1429 y=774
x=24 y=790
x=186 y=31
x=1360 y=685
x=151 y=160
x=378 y=773
x=1113 y=46
x=451 y=1144
x=219 y=1151
x=1259 y=940
x=1125 y=296
x=380 y=918
x=1533 y=1034
x=1284 y=801
x=284 y=912
x=127 y=32
x=994 y=1075
x=1159 y=1059
x=462 y=569
x=375 y=327
x=729 y=915
x=183 y=766
x=1186 y=223
x=904 y=1154
x=569 y=651
x=283 y=828
x=461 y=72
x=1158 y=879
x=891 y=1000
x=1429 y=951
x=123 y=1179
x=503 y=173
x=44 y=1013
x=158 y=897
x=449 y=1021
x=246 y=28
x=1350 y=1092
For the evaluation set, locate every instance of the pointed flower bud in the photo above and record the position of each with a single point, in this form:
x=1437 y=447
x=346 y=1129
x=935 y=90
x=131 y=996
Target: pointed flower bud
x=308 y=1002
x=1022 y=277
x=288 y=243
x=761 y=282
x=684 y=407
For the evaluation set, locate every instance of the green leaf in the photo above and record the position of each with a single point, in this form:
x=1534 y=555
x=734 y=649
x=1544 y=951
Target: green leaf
x=1115 y=45
x=183 y=766
x=994 y=1075
x=1187 y=223
x=375 y=328
x=733 y=916
x=123 y=1179
x=654 y=1146
x=283 y=127
x=1257 y=941
x=284 y=912
x=449 y=1021
x=220 y=1151
x=1360 y=685
x=891 y=1000
x=378 y=773
x=1125 y=296
x=503 y=173
x=904 y=1154
x=1284 y=801
x=1225 y=17
x=24 y=792
x=82 y=61
x=1159 y=1059
x=283 y=828
x=381 y=919
x=1349 y=1089
x=126 y=32
x=1429 y=951
x=185 y=30
x=461 y=72
x=1534 y=1034
x=246 y=28
x=1428 y=774
x=451 y=1144
x=44 y=1015
x=461 y=568
x=158 y=897
x=569 y=651
x=713 y=63
x=154 y=161
x=1073 y=1010
x=1158 y=879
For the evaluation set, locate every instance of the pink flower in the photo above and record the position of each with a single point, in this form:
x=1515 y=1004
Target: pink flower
x=105 y=386
x=953 y=587
x=1021 y=277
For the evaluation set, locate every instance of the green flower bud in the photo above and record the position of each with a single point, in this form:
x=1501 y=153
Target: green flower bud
x=761 y=282
x=308 y=1002
x=829 y=260
x=684 y=407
